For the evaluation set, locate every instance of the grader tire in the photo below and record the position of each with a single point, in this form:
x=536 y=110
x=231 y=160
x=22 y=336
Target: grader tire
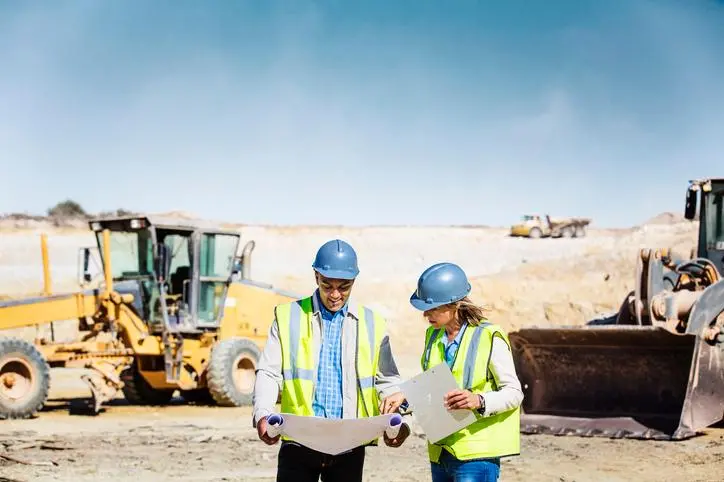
x=138 y=392
x=231 y=372
x=24 y=379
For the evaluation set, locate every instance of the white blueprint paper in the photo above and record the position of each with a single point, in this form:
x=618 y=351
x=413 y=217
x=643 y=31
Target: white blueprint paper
x=332 y=436
x=425 y=393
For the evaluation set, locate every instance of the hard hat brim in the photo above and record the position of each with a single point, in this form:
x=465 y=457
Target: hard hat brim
x=336 y=274
x=422 y=305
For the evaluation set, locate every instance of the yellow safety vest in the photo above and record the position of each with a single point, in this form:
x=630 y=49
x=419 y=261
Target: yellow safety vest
x=494 y=436
x=295 y=322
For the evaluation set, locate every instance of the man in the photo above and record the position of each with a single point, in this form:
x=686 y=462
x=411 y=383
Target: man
x=321 y=352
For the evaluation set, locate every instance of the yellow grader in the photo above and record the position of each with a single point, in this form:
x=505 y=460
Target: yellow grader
x=655 y=369
x=176 y=310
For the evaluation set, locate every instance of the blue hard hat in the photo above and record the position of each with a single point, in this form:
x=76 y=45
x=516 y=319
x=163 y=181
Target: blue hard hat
x=336 y=259
x=438 y=285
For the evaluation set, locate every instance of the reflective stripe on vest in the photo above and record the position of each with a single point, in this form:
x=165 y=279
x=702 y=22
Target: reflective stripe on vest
x=494 y=436
x=370 y=330
x=295 y=336
x=295 y=321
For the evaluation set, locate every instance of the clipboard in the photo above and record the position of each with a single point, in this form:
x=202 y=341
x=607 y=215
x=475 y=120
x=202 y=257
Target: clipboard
x=424 y=392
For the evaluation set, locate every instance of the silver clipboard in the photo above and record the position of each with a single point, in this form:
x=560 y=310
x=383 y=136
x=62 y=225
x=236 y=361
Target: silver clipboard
x=425 y=393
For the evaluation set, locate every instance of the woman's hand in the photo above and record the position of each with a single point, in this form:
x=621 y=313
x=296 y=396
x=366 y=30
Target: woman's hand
x=457 y=399
x=392 y=403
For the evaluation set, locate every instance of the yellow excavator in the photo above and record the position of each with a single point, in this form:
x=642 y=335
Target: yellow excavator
x=655 y=369
x=176 y=310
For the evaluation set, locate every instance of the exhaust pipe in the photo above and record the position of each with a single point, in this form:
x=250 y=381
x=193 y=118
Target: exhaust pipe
x=246 y=259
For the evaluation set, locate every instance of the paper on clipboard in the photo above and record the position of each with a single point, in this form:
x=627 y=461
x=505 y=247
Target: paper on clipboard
x=425 y=393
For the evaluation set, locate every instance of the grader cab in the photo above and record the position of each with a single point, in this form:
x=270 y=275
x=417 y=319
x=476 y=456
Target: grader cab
x=653 y=370
x=176 y=310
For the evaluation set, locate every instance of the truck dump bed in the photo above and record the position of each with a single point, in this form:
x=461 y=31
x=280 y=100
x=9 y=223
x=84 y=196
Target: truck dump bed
x=557 y=222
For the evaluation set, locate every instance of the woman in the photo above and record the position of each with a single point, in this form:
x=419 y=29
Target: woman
x=479 y=356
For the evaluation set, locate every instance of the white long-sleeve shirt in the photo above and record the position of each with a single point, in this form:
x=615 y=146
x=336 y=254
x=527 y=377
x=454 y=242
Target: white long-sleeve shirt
x=509 y=393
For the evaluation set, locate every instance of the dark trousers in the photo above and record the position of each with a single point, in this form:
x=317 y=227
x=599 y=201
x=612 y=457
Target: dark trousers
x=297 y=463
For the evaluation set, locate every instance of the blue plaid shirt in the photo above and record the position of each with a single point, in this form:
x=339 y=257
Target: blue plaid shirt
x=327 y=401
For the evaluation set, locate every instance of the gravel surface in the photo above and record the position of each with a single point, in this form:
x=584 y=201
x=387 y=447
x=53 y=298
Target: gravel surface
x=212 y=444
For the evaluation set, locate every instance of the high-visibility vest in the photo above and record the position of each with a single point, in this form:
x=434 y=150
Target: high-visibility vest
x=295 y=322
x=494 y=436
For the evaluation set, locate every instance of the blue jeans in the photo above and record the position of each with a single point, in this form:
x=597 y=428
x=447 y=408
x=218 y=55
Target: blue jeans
x=450 y=469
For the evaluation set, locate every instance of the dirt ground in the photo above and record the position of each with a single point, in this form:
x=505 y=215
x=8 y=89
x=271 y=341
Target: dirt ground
x=198 y=443
x=524 y=282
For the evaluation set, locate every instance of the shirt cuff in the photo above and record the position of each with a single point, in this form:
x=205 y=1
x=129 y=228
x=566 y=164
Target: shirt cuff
x=258 y=415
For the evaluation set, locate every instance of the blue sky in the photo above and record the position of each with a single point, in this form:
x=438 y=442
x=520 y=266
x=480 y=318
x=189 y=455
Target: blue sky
x=341 y=112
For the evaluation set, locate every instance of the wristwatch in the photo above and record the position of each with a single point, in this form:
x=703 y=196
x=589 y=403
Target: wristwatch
x=481 y=410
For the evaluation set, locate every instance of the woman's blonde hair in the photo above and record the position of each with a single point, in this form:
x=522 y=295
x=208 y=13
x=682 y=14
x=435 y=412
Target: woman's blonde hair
x=469 y=312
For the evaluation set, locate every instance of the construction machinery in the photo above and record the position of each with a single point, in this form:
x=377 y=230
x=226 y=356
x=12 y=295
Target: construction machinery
x=655 y=369
x=175 y=310
x=536 y=226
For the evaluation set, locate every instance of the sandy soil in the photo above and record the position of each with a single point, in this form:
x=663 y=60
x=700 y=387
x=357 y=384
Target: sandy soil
x=524 y=282
x=215 y=444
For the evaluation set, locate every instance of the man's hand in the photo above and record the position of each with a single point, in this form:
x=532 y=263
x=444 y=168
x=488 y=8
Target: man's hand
x=457 y=399
x=401 y=436
x=392 y=403
x=261 y=430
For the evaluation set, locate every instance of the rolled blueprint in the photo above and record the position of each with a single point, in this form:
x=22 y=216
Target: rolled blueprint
x=394 y=427
x=333 y=436
x=274 y=423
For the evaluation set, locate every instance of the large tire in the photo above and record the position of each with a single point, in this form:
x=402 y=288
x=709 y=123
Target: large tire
x=535 y=233
x=232 y=371
x=138 y=392
x=24 y=379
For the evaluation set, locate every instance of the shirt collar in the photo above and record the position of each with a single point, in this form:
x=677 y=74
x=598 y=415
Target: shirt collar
x=457 y=338
x=350 y=307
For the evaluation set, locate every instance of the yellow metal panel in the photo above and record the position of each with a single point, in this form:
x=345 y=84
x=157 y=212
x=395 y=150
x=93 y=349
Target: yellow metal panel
x=249 y=311
x=196 y=354
x=44 y=309
x=135 y=333
x=520 y=230
x=157 y=380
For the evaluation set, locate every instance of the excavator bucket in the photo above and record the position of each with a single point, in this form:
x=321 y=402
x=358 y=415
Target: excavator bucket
x=618 y=381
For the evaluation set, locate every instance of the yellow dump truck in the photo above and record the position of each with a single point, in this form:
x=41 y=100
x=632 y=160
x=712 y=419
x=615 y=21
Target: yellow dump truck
x=653 y=370
x=176 y=310
x=536 y=226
